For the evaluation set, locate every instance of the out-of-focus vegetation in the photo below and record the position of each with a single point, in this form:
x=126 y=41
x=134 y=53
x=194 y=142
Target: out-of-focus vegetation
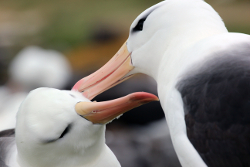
x=70 y=26
x=62 y=24
x=235 y=13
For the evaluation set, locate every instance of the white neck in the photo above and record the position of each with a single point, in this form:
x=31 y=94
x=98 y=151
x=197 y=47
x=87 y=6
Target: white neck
x=186 y=25
x=106 y=159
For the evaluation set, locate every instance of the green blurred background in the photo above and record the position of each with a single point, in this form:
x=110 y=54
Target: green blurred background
x=72 y=26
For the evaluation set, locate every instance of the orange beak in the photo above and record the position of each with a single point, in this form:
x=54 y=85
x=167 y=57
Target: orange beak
x=104 y=112
x=111 y=74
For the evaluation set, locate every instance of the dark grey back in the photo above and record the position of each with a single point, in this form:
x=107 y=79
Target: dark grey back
x=217 y=105
x=7 y=138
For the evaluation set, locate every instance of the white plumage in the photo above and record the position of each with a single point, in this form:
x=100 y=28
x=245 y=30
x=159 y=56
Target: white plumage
x=42 y=119
x=63 y=128
x=34 y=67
x=172 y=42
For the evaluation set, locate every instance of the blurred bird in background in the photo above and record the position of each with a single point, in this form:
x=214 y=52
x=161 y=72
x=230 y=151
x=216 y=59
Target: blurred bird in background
x=31 y=68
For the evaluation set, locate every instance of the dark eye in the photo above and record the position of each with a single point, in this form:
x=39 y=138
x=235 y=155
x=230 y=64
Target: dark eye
x=139 y=26
x=72 y=96
x=65 y=131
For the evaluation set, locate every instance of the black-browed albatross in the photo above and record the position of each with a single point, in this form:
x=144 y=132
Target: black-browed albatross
x=203 y=77
x=64 y=129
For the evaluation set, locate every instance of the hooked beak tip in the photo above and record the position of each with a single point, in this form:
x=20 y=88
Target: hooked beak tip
x=146 y=98
x=104 y=112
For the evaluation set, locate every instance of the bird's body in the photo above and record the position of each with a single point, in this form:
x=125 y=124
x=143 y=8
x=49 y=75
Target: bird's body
x=202 y=75
x=216 y=106
x=204 y=100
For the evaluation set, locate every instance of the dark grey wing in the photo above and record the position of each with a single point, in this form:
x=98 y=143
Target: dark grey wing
x=7 y=133
x=2 y=164
x=217 y=106
x=7 y=138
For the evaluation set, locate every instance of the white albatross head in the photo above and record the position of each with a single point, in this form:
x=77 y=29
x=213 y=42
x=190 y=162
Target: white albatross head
x=157 y=35
x=63 y=128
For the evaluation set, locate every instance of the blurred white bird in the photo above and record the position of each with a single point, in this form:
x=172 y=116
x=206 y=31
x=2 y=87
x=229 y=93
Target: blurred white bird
x=63 y=128
x=33 y=67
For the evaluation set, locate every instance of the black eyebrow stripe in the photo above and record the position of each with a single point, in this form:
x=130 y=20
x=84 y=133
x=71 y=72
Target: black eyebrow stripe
x=143 y=19
x=65 y=131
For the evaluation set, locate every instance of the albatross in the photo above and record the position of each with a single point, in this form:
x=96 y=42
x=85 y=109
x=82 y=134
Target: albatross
x=202 y=73
x=64 y=129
